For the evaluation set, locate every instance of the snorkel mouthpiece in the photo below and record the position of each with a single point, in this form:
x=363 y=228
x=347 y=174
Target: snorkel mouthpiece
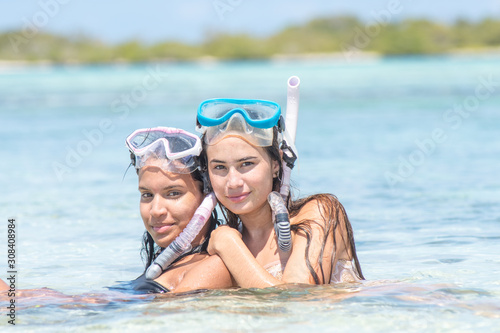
x=281 y=221
x=182 y=243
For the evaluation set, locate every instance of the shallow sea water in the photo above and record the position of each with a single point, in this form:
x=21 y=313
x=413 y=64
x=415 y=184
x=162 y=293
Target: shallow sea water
x=410 y=146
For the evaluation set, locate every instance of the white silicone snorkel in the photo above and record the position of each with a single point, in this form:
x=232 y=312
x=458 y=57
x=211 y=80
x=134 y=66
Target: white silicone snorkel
x=281 y=221
x=182 y=243
x=277 y=202
x=292 y=112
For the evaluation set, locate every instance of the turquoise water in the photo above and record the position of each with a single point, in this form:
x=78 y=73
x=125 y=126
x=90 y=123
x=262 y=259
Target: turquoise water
x=410 y=147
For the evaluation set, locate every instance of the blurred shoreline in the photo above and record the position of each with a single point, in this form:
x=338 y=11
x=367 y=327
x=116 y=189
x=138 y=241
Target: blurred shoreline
x=339 y=38
x=334 y=57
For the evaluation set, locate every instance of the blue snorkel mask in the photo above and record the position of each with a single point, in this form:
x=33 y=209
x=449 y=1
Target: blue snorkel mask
x=252 y=120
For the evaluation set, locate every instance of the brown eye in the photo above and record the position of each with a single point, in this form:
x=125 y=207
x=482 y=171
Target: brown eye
x=174 y=194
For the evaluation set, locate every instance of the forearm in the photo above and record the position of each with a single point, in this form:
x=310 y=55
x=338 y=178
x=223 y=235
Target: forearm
x=244 y=268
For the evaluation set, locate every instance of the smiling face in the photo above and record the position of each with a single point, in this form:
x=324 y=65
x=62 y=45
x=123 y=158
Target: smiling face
x=241 y=175
x=168 y=202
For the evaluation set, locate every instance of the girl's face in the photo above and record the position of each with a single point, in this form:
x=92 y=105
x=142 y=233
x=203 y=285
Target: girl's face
x=241 y=175
x=168 y=202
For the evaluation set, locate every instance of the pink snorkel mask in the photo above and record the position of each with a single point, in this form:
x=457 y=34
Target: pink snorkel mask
x=171 y=149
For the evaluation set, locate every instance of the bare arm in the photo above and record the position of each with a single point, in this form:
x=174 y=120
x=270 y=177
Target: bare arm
x=247 y=272
x=209 y=273
x=320 y=249
x=3 y=285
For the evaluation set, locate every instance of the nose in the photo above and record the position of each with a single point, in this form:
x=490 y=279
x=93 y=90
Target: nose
x=158 y=208
x=234 y=178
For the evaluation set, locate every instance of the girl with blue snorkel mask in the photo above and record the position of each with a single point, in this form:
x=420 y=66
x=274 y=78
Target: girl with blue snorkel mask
x=241 y=154
x=176 y=213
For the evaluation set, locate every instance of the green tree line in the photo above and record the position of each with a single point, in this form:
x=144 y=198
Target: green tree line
x=342 y=34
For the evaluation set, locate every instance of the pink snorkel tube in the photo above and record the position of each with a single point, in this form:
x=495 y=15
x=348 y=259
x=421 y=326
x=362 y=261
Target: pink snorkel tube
x=182 y=243
x=278 y=201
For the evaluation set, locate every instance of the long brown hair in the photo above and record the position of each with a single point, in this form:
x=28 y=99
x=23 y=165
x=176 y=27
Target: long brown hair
x=332 y=212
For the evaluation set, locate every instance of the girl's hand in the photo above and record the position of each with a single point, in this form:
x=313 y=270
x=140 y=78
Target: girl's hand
x=227 y=243
x=220 y=236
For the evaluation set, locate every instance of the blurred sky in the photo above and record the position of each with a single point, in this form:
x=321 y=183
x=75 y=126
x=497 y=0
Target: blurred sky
x=193 y=20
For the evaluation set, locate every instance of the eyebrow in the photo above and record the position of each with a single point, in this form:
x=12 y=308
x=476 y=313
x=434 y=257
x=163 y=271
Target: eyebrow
x=239 y=160
x=142 y=188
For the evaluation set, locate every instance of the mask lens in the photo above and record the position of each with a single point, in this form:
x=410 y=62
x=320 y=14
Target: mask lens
x=169 y=148
x=236 y=126
x=180 y=143
x=144 y=139
x=258 y=113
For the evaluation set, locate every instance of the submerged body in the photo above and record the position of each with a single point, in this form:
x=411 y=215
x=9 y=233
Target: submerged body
x=248 y=154
x=242 y=175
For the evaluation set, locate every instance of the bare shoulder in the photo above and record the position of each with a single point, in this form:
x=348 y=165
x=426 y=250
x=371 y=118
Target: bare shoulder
x=211 y=264
x=208 y=273
x=325 y=214
x=318 y=208
x=214 y=262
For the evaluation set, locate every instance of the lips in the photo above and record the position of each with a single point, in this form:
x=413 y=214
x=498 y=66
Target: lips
x=160 y=229
x=238 y=198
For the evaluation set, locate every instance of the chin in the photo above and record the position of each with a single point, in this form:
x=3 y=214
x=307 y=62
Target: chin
x=164 y=241
x=239 y=209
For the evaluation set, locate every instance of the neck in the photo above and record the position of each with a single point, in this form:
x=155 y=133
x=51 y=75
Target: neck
x=258 y=224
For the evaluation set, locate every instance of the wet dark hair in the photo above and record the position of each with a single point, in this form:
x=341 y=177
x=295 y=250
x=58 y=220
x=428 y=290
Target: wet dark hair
x=331 y=210
x=150 y=250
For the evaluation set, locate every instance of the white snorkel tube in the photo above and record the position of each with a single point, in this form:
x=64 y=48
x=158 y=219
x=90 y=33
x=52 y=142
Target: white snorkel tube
x=281 y=221
x=182 y=243
x=288 y=145
x=278 y=201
